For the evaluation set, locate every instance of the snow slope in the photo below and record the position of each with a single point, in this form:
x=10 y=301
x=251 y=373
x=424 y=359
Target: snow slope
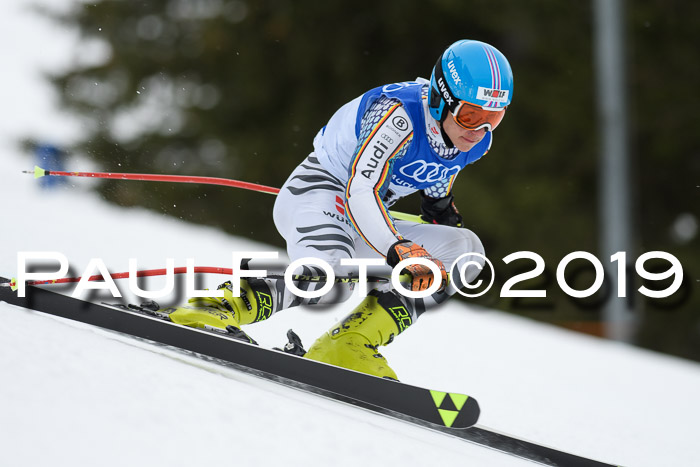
x=74 y=395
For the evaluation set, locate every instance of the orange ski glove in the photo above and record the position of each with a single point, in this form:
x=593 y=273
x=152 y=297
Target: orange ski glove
x=422 y=275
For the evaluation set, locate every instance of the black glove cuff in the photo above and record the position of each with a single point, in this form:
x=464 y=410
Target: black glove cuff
x=392 y=257
x=433 y=207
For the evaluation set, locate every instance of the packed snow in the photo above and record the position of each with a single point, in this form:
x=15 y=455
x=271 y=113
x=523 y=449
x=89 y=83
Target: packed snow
x=71 y=394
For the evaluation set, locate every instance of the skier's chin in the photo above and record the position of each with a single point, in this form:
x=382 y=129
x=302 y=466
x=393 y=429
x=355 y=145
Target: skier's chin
x=465 y=144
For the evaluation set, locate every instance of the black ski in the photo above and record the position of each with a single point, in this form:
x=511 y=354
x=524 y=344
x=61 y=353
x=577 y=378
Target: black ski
x=398 y=400
x=449 y=413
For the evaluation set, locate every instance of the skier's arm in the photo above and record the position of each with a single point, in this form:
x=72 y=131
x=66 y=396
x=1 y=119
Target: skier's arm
x=386 y=131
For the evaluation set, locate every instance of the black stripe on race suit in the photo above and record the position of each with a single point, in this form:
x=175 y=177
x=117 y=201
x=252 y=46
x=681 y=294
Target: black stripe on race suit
x=301 y=285
x=301 y=191
x=313 y=178
x=330 y=237
x=314 y=228
x=306 y=285
x=324 y=172
x=318 y=272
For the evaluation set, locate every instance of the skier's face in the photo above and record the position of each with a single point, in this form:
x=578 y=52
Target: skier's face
x=462 y=138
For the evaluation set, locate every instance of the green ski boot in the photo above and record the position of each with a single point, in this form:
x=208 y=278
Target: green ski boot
x=225 y=314
x=353 y=343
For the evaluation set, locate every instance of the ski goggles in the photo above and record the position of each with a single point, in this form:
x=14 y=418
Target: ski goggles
x=474 y=117
x=468 y=116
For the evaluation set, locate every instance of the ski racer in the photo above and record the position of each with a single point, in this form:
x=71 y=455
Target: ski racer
x=387 y=143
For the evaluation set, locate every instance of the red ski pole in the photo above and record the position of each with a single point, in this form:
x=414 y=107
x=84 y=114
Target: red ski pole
x=197 y=270
x=122 y=275
x=39 y=172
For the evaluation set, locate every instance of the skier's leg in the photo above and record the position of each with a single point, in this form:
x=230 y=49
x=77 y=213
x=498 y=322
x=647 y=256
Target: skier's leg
x=449 y=245
x=309 y=214
x=385 y=313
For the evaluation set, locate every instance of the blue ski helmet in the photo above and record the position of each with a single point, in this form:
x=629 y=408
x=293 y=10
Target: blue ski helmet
x=474 y=82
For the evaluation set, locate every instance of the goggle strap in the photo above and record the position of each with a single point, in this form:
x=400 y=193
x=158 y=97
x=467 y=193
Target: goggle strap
x=440 y=79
